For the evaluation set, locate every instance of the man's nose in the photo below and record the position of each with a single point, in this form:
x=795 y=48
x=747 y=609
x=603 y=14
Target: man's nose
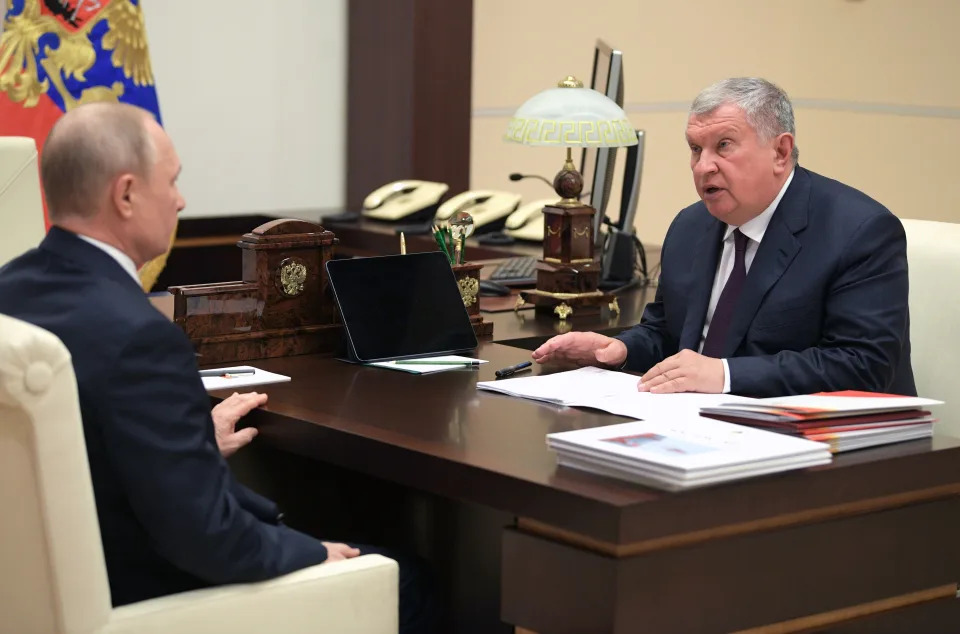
x=706 y=164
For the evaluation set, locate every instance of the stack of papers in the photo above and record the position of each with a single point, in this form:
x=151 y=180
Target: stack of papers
x=845 y=420
x=684 y=452
x=428 y=365
x=239 y=376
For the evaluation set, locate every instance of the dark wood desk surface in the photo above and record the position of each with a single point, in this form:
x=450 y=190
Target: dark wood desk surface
x=874 y=526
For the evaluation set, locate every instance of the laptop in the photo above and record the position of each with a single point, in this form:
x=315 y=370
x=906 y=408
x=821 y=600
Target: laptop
x=400 y=307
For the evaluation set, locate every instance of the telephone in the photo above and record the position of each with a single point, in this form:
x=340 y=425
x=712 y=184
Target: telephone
x=408 y=200
x=526 y=223
x=489 y=208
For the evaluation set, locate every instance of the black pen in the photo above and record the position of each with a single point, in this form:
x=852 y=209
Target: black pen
x=513 y=369
x=227 y=371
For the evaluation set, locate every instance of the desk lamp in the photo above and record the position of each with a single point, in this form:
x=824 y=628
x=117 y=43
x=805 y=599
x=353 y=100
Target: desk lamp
x=569 y=116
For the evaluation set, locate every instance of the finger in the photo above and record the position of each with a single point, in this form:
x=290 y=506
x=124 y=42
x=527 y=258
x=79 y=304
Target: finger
x=660 y=379
x=245 y=436
x=351 y=553
x=671 y=387
x=668 y=364
x=548 y=347
x=612 y=353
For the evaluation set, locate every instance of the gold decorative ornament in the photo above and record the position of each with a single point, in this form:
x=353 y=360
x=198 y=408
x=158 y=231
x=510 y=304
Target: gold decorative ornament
x=520 y=302
x=581 y=232
x=469 y=287
x=614 y=306
x=291 y=275
x=563 y=311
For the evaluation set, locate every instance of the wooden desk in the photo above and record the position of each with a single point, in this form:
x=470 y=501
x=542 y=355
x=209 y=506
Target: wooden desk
x=800 y=551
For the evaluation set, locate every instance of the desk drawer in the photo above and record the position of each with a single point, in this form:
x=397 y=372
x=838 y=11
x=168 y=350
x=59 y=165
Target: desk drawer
x=734 y=583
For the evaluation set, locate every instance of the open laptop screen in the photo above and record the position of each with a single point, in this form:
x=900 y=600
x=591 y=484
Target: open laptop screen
x=400 y=306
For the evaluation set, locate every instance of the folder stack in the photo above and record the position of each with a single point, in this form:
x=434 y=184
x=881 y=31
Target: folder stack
x=844 y=420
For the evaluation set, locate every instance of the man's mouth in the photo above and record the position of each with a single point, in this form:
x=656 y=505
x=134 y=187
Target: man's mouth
x=711 y=190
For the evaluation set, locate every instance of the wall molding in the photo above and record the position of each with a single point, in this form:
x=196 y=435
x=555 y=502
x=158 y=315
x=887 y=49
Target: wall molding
x=836 y=105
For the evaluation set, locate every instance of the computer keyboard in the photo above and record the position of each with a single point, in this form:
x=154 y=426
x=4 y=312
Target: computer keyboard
x=517 y=271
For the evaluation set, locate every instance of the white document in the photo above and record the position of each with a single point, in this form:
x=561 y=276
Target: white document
x=226 y=380
x=850 y=403
x=428 y=365
x=608 y=391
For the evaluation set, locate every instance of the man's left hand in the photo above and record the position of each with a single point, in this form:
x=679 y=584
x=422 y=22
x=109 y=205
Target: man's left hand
x=685 y=371
x=227 y=414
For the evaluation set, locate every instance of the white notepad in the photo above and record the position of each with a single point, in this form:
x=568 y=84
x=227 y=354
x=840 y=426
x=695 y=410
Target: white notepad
x=228 y=381
x=422 y=368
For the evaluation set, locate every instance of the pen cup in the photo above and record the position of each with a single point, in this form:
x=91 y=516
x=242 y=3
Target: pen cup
x=468 y=281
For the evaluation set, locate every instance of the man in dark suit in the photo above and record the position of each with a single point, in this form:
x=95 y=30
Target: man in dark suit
x=779 y=281
x=172 y=517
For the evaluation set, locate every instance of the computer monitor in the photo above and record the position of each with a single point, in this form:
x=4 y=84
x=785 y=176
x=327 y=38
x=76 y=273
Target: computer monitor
x=597 y=165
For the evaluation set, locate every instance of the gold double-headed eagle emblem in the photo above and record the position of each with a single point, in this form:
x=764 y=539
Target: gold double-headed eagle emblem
x=75 y=55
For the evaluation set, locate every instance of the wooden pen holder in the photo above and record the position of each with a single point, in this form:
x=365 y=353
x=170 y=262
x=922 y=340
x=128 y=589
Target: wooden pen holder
x=468 y=283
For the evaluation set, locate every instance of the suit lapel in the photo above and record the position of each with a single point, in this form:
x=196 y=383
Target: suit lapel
x=702 y=270
x=774 y=255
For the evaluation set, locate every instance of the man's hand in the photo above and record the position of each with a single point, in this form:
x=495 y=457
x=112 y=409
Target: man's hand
x=685 y=371
x=338 y=552
x=227 y=414
x=582 y=348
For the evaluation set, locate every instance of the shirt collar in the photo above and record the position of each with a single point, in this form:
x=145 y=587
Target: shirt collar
x=756 y=227
x=124 y=260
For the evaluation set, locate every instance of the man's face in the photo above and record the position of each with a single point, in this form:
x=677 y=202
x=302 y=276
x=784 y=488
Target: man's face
x=737 y=174
x=158 y=200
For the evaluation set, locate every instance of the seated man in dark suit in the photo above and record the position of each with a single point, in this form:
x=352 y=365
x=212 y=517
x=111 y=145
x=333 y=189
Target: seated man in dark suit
x=172 y=517
x=779 y=281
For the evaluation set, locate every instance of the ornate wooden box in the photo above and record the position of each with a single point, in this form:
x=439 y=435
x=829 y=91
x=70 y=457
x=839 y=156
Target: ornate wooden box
x=281 y=306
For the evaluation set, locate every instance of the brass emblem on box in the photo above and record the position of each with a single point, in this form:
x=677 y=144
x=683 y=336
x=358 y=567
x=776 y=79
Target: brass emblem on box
x=291 y=275
x=469 y=287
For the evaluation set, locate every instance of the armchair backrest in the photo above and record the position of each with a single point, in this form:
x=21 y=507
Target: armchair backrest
x=52 y=573
x=933 y=255
x=21 y=207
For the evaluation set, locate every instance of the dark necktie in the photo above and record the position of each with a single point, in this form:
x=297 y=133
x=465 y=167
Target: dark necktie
x=723 y=313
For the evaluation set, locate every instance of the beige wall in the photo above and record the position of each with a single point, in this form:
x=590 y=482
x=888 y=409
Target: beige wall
x=874 y=82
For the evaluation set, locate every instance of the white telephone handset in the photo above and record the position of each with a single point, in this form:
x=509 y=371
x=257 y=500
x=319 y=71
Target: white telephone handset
x=404 y=200
x=526 y=223
x=489 y=208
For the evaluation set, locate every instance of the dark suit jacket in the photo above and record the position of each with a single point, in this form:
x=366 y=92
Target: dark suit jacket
x=824 y=306
x=172 y=517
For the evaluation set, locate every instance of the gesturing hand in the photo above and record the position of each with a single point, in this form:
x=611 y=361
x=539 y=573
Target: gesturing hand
x=338 y=552
x=582 y=348
x=685 y=371
x=227 y=414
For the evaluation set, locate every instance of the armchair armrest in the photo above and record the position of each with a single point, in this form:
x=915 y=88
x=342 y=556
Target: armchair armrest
x=357 y=595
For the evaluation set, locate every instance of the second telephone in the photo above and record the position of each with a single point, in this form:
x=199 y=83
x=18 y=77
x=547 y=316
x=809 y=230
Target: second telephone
x=489 y=208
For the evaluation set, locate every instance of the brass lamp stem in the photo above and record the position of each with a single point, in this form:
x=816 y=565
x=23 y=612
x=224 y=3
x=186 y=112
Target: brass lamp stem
x=569 y=164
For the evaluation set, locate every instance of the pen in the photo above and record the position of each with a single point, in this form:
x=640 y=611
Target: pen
x=226 y=371
x=428 y=362
x=403 y=244
x=513 y=369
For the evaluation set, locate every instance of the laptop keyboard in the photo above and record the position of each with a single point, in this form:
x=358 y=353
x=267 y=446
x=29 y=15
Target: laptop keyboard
x=516 y=271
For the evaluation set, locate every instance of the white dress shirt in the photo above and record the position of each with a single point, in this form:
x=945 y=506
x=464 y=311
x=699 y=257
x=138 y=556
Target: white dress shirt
x=122 y=258
x=754 y=230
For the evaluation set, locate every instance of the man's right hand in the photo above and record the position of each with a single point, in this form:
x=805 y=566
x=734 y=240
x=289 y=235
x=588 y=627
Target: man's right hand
x=582 y=348
x=338 y=552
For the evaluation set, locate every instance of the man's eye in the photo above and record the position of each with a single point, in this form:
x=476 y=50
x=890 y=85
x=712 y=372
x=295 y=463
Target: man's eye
x=694 y=149
x=723 y=144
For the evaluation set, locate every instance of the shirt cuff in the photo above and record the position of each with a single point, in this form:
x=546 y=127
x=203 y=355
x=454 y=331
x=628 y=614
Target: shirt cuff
x=726 y=377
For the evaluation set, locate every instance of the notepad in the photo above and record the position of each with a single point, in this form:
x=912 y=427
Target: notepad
x=421 y=368
x=228 y=381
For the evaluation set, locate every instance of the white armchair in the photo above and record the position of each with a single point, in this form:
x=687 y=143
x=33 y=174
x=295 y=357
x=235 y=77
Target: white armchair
x=933 y=254
x=21 y=208
x=53 y=579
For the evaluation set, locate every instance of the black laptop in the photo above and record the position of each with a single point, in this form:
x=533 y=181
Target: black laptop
x=400 y=307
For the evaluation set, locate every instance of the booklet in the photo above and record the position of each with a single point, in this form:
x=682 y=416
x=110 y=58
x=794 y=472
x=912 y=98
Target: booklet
x=821 y=406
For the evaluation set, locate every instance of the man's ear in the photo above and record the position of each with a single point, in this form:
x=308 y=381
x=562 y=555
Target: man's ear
x=783 y=150
x=122 y=195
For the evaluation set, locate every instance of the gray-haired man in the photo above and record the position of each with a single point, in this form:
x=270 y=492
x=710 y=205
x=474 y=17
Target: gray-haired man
x=778 y=281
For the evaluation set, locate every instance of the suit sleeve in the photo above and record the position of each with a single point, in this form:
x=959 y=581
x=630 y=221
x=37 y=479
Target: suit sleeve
x=649 y=342
x=865 y=324
x=159 y=435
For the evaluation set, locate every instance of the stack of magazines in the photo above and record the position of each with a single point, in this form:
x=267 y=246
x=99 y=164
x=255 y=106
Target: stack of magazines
x=684 y=452
x=844 y=420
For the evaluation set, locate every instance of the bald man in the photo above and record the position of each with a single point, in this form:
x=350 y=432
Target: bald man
x=172 y=517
